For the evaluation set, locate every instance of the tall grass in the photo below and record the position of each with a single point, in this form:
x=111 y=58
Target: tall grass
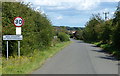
x=0 y=66
x=25 y=65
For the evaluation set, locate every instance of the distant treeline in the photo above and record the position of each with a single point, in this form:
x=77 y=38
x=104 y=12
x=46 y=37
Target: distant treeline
x=69 y=28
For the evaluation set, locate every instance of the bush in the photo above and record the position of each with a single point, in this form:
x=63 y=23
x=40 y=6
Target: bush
x=98 y=44
x=63 y=37
x=55 y=41
x=105 y=46
x=37 y=30
x=116 y=36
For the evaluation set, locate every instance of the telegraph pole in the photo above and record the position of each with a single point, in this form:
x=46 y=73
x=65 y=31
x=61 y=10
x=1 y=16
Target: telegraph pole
x=106 y=15
x=119 y=6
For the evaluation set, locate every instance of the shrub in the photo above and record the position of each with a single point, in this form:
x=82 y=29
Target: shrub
x=55 y=41
x=37 y=30
x=105 y=46
x=63 y=37
x=98 y=44
x=116 y=36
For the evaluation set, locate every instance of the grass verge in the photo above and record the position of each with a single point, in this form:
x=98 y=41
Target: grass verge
x=108 y=48
x=0 y=66
x=25 y=65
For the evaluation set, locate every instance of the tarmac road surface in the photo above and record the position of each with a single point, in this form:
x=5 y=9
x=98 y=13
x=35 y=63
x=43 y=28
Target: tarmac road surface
x=80 y=58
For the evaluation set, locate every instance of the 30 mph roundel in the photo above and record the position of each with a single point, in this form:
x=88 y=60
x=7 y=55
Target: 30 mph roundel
x=18 y=21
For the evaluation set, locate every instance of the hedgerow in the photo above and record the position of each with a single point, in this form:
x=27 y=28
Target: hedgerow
x=37 y=30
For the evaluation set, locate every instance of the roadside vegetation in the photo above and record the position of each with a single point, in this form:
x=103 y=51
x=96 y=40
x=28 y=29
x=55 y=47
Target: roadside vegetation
x=103 y=33
x=0 y=66
x=40 y=40
x=0 y=38
x=37 y=30
x=63 y=36
x=25 y=65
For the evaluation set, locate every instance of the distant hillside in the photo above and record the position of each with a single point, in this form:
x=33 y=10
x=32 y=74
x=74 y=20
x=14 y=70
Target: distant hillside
x=69 y=28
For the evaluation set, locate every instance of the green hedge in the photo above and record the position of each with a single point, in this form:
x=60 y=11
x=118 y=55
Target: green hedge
x=63 y=36
x=37 y=30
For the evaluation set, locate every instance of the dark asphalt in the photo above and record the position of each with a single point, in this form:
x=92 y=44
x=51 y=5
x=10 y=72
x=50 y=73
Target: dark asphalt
x=80 y=58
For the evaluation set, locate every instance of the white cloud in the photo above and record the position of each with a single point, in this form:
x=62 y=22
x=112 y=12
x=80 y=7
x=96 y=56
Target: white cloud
x=65 y=4
x=89 y=4
x=57 y=7
x=112 y=13
x=46 y=2
x=109 y=0
x=22 y=0
x=59 y=18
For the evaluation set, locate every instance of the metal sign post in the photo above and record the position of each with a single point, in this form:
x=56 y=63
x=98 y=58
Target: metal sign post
x=7 y=50
x=19 y=48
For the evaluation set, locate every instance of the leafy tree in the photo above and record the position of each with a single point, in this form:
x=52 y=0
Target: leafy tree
x=116 y=30
x=105 y=32
x=79 y=34
x=89 y=33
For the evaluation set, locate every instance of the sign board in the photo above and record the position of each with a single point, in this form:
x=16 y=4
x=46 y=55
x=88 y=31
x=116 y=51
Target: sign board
x=18 y=30
x=18 y=21
x=12 y=37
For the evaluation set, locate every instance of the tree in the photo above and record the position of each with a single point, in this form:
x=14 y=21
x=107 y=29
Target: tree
x=90 y=33
x=116 y=30
x=79 y=34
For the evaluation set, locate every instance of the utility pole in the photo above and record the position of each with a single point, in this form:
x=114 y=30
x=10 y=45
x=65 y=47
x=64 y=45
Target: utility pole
x=118 y=6
x=106 y=15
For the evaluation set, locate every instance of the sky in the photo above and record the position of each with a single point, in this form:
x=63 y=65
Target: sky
x=73 y=13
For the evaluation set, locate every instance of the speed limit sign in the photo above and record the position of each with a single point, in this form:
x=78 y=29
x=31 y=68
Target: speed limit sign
x=18 y=21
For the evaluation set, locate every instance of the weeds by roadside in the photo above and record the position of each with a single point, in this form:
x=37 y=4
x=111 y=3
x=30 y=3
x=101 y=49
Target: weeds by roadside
x=108 y=48
x=24 y=65
x=0 y=66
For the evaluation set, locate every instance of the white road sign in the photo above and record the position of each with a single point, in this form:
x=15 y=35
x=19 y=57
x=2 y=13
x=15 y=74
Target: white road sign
x=18 y=30
x=12 y=37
